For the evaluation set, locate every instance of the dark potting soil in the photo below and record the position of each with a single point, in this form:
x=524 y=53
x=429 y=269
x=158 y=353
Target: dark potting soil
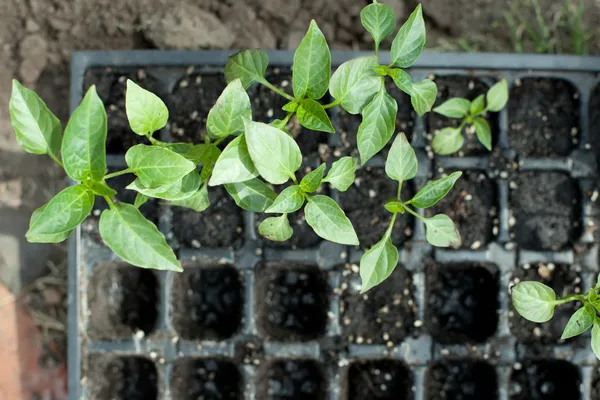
x=545 y=380
x=379 y=379
x=291 y=380
x=364 y=203
x=564 y=280
x=551 y=224
x=207 y=303
x=461 y=380
x=122 y=300
x=471 y=204
x=292 y=301
x=468 y=88
x=594 y=126
x=383 y=315
x=544 y=117
x=595 y=392
x=459 y=300
x=207 y=379
x=113 y=377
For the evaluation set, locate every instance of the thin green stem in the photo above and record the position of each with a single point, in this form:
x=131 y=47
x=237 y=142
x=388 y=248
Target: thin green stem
x=413 y=212
x=287 y=118
x=377 y=50
x=156 y=142
x=570 y=298
x=277 y=90
x=391 y=226
x=52 y=156
x=399 y=191
x=111 y=204
x=118 y=173
x=332 y=104
x=218 y=141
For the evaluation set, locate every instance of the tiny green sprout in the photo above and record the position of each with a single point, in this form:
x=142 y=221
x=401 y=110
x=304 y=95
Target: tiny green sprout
x=472 y=113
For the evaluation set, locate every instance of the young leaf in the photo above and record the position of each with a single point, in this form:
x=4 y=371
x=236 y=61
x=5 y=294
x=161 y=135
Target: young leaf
x=253 y=195
x=313 y=116
x=423 y=96
x=434 y=191
x=597 y=282
x=135 y=239
x=198 y=201
x=534 y=301
x=379 y=20
x=146 y=112
x=274 y=153
x=140 y=200
x=378 y=263
x=63 y=213
x=441 y=232
x=288 y=201
x=84 y=143
x=478 y=105
x=596 y=338
x=277 y=229
x=46 y=237
x=291 y=107
x=394 y=207
x=248 y=66
x=401 y=163
x=157 y=166
x=38 y=130
x=483 y=131
x=311 y=181
x=579 y=322
x=199 y=153
x=381 y=70
x=228 y=114
x=454 y=108
x=409 y=40
x=354 y=83
x=377 y=126
x=234 y=164
x=497 y=96
x=447 y=141
x=312 y=65
x=181 y=189
x=329 y=221
x=342 y=173
x=100 y=188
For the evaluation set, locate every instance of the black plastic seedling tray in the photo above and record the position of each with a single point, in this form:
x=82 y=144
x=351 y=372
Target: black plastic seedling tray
x=252 y=320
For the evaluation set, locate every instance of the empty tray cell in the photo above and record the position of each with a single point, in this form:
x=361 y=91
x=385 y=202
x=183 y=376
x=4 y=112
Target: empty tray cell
x=459 y=300
x=465 y=87
x=206 y=302
x=551 y=224
x=291 y=380
x=220 y=225
x=564 y=281
x=111 y=85
x=379 y=379
x=471 y=204
x=543 y=117
x=122 y=300
x=207 y=379
x=461 y=380
x=193 y=97
x=383 y=315
x=545 y=380
x=364 y=203
x=291 y=301
x=111 y=377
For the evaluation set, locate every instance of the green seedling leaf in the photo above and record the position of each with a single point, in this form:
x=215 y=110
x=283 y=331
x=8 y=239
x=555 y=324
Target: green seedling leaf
x=596 y=338
x=378 y=263
x=354 y=83
x=200 y=153
x=279 y=124
x=598 y=282
x=312 y=65
x=483 y=131
x=447 y=141
x=409 y=40
x=394 y=207
x=38 y=131
x=100 y=188
x=434 y=191
x=182 y=148
x=423 y=96
x=228 y=114
x=63 y=213
x=534 y=301
x=253 y=195
x=401 y=164
x=381 y=70
x=377 y=126
x=46 y=237
x=198 y=201
x=248 y=66
x=277 y=229
x=441 y=231
x=311 y=181
x=140 y=200
x=234 y=164
x=593 y=295
x=342 y=173
x=497 y=96
x=313 y=116
x=289 y=200
x=157 y=166
x=329 y=221
x=84 y=143
x=146 y=112
x=454 y=108
x=379 y=20
x=477 y=105
x=580 y=321
x=291 y=107
x=135 y=239
x=275 y=154
x=181 y=189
